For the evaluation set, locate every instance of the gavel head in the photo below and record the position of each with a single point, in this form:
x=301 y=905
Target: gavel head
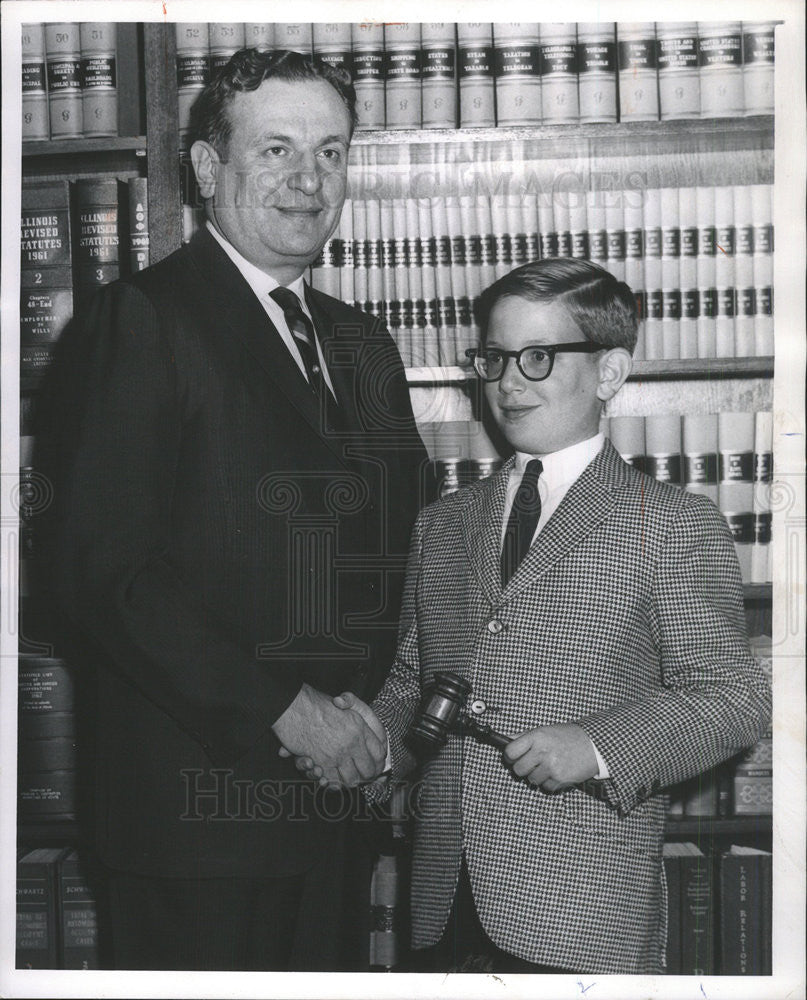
x=440 y=707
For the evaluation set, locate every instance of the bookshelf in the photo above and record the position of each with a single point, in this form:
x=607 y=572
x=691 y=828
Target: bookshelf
x=692 y=152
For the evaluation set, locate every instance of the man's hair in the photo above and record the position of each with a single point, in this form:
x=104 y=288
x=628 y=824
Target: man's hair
x=246 y=70
x=603 y=308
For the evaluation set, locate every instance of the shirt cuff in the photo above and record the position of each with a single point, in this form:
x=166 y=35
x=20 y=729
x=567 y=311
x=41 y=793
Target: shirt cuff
x=602 y=767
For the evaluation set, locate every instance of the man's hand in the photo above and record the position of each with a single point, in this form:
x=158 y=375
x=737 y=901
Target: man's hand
x=346 y=747
x=553 y=757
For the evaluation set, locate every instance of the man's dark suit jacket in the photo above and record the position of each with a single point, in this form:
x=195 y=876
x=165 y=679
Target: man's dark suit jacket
x=217 y=547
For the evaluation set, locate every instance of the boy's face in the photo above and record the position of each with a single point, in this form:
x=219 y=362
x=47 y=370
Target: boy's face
x=542 y=417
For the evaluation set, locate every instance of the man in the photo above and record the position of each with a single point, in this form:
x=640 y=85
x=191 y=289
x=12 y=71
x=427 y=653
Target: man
x=240 y=473
x=597 y=615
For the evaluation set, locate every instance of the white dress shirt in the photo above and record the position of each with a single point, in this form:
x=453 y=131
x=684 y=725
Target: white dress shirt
x=560 y=470
x=262 y=285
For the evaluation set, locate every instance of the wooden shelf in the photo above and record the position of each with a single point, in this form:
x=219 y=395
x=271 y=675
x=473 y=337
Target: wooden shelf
x=690 y=826
x=74 y=147
x=643 y=371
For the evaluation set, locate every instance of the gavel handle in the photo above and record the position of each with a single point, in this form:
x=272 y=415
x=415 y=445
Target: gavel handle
x=484 y=732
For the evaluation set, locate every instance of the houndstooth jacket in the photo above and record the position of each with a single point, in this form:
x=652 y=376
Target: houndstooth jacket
x=625 y=616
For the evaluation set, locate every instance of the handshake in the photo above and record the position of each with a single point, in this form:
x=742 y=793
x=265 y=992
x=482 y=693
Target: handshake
x=337 y=741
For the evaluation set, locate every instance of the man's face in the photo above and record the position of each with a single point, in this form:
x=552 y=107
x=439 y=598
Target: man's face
x=280 y=192
x=542 y=417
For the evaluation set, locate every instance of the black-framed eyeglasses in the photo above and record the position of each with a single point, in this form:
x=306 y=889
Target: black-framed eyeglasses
x=534 y=362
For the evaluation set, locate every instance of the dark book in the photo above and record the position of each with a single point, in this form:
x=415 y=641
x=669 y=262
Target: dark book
x=745 y=912
x=697 y=913
x=46 y=276
x=37 y=944
x=672 y=872
x=96 y=235
x=45 y=699
x=77 y=913
x=193 y=71
x=47 y=796
x=138 y=228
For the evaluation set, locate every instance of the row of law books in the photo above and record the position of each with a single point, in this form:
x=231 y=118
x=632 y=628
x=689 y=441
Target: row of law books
x=699 y=260
x=57 y=910
x=74 y=237
x=411 y=75
x=719 y=910
x=727 y=457
x=69 y=80
x=741 y=786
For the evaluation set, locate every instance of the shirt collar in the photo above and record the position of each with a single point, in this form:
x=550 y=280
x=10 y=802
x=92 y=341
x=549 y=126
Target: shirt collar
x=259 y=281
x=566 y=465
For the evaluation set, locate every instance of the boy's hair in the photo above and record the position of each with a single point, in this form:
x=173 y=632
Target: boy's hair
x=246 y=71
x=603 y=308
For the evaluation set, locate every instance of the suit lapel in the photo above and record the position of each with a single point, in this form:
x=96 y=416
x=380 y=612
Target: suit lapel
x=247 y=321
x=589 y=501
x=481 y=528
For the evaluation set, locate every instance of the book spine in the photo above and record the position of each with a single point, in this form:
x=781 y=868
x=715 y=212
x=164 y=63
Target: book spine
x=37 y=935
x=332 y=44
x=347 y=290
x=193 y=71
x=762 y=220
x=725 y=272
x=720 y=64
x=45 y=699
x=758 y=67
x=368 y=74
x=559 y=96
x=672 y=875
x=446 y=305
x=753 y=780
x=294 y=37
x=761 y=571
x=596 y=67
x=663 y=447
x=517 y=55
x=404 y=279
x=562 y=223
x=439 y=75
x=688 y=272
x=35 y=119
x=259 y=35
x=372 y=254
x=745 y=320
x=736 y=491
x=654 y=298
x=391 y=305
x=735 y=919
x=627 y=436
x=638 y=72
x=46 y=278
x=678 y=79
x=138 y=228
x=578 y=225
x=414 y=265
x=428 y=255
x=99 y=82
x=706 y=272
x=96 y=235
x=77 y=914
x=700 y=441
x=402 y=60
x=765 y=911
x=697 y=916
x=615 y=230
x=476 y=86
x=670 y=273
x=63 y=49
x=225 y=38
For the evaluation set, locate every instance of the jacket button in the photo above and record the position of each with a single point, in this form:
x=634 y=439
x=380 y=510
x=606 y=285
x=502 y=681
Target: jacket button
x=495 y=626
